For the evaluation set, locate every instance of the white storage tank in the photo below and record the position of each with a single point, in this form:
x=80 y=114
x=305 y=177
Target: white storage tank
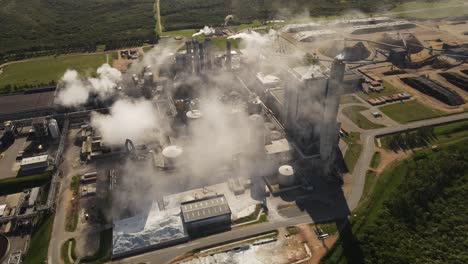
x=193 y=115
x=172 y=155
x=286 y=176
x=54 y=129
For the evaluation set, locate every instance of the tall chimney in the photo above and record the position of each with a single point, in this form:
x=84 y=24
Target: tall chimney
x=228 y=55
x=202 y=56
x=196 y=57
x=188 y=57
x=208 y=59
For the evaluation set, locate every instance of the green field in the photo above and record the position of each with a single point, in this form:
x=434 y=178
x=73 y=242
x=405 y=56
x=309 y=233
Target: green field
x=441 y=9
x=409 y=111
x=32 y=27
x=44 y=70
x=354 y=150
x=353 y=113
x=39 y=244
x=349 y=99
x=415 y=212
x=376 y=160
x=64 y=251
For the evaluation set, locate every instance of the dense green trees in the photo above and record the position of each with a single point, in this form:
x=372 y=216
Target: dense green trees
x=423 y=220
x=180 y=14
x=36 y=28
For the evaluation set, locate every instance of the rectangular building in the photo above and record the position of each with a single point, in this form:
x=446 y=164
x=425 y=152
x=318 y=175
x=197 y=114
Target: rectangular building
x=206 y=215
x=34 y=163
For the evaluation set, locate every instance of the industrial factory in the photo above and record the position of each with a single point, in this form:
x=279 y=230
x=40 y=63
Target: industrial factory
x=199 y=139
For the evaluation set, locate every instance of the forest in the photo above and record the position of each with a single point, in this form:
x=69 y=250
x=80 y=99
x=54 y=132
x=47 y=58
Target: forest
x=180 y=14
x=45 y=27
x=417 y=216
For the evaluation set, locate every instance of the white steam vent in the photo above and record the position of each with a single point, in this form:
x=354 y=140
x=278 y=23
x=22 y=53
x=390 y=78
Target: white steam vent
x=286 y=175
x=172 y=156
x=194 y=114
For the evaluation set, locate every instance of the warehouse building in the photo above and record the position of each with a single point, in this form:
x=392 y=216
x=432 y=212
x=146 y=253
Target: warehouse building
x=34 y=164
x=206 y=215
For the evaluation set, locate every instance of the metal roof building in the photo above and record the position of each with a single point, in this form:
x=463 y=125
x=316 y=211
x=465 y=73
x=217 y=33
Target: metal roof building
x=206 y=214
x=33 y=163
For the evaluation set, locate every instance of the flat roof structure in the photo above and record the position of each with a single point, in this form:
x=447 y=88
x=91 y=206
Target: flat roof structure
x=196 y=210
x=34 y=160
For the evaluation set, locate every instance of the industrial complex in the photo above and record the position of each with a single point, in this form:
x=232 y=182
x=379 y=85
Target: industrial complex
x=201 y=140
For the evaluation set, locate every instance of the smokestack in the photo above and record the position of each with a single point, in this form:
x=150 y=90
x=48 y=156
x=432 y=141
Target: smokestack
x=188 y=57
x=208 y=53
x=188 y=47
x=228 y=55
x=202 y=56
x=196 y=57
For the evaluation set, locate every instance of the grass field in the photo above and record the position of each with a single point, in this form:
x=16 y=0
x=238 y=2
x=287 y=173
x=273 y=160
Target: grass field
x=415 y=9
x=354 y=150
x=46 y=69
x=64 y=250
x=353 y=113
x=187 y=33
x=409 y=111
x=349 y=99
x=39 y=244
x=376 y=160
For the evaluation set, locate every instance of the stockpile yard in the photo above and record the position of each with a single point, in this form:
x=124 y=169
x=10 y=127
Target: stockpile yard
x=434 y=89
x=456 y=79
x=351 y=51
x=391 y=40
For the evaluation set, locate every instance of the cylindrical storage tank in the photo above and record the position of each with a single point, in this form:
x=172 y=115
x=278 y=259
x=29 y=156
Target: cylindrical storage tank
x=54 y=128
x=171 y=155
x=286 y=175
x=193 y=116
x=148 y=77
x=254 y=106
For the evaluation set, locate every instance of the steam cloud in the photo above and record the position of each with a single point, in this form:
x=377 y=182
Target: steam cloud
x=77 y=90
x=133 y=119
x=205 y=31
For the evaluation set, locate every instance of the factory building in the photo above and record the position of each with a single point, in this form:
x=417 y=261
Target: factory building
x=36 y=163
x=206 y=215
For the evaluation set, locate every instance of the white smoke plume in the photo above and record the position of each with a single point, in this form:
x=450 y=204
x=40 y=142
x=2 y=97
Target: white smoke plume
x=133 y=119
x=76 y=89
x=75 y=92
x=205 y=31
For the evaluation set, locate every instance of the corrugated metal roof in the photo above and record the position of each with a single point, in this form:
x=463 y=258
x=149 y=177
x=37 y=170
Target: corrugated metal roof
x=32 y=160
x=206 y=208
